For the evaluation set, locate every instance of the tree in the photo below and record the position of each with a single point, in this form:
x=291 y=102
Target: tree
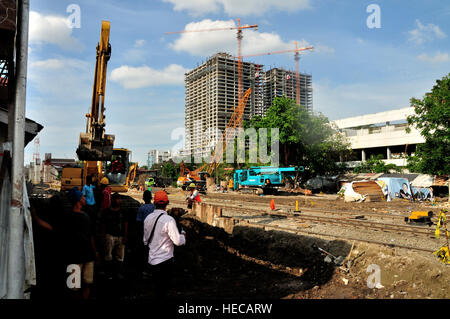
x=305 y=139
x=375 y=165
x=432 y=120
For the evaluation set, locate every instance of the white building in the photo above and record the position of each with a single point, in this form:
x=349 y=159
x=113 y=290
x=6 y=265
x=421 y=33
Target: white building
x=157 y=157
x=381 y=133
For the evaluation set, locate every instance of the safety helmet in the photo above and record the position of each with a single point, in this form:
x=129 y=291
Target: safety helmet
x=191 y=185
x=104 y=181
x=161 y=197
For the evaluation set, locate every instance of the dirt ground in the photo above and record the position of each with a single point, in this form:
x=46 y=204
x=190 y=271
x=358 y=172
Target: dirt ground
x=253 y=263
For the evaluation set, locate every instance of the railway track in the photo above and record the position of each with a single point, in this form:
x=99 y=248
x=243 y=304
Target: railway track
x=322 y=211
x=296 y=228
x=415 y=231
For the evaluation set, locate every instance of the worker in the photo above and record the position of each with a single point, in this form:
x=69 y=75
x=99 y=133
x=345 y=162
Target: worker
x=160 y=236
x=79 y=242
x=230 y=184
x=88 y=193
x=117 y=166
x=104 y=200
x=142 y=214
x=106 y=194
x=115 y=228
x=193 y=196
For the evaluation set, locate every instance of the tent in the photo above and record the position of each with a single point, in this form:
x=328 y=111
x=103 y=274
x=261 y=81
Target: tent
x=423 y=180
x=363 y=191
x=394 y=185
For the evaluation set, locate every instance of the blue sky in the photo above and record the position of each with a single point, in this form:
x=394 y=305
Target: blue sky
x=356 y=70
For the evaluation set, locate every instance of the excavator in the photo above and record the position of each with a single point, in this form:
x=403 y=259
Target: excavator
x=96 y=149
x=187 y=177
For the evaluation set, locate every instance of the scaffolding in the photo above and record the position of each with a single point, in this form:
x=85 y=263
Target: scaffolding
x=211 y=96
x=280 y=82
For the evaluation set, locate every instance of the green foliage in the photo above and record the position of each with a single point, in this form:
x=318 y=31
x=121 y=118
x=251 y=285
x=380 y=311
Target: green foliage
x=432 y=120
x=144 y=167
x=305 y=139
x=375 y=165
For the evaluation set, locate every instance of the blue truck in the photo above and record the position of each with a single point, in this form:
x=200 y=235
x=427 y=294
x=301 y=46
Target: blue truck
x=267 y=178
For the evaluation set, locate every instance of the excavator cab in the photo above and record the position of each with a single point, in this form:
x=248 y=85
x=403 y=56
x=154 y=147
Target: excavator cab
x=117 y=168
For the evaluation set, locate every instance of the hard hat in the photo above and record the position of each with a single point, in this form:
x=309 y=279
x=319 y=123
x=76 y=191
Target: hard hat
x=104 y=181
x=192 y=185
x=161 y=197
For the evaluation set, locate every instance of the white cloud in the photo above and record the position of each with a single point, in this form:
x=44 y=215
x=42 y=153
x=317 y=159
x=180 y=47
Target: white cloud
x=238 y=7
x=56 y=63
x=209 y=43
x=136 y=54
x=425 y=33
x=139 y=43
x=58 y=78
x=53 y=30
x=144 y=76
x=437 y=58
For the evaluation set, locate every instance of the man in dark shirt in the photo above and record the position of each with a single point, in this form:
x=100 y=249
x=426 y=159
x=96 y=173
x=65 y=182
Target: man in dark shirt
x=115 y=226
x=80 y=248
x=143 y=212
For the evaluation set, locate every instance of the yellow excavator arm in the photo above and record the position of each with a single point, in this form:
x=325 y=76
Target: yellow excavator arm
x=94 y=144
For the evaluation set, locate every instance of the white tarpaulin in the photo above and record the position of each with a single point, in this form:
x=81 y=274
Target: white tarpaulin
x=29 y=267
x=423 y=180
x=350 y=195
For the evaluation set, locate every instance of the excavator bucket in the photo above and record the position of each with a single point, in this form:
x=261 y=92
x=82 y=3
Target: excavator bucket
x=95 y=150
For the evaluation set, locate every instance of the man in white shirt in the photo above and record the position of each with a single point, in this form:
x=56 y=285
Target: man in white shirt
x=160 y=236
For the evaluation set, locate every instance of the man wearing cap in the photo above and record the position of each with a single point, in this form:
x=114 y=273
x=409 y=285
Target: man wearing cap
x=160 y=236
x=79 y=242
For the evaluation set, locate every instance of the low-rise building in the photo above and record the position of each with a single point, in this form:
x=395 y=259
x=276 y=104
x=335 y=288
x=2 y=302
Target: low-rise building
x=382 y=133
x=157 y=157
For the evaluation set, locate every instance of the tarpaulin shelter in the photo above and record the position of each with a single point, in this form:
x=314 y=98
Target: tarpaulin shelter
x=394 y=185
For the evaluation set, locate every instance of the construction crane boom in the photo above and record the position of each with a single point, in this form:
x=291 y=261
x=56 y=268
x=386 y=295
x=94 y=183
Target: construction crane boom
x=216 y=29
x=279 y=52
x=235 y=121
x=94 y=144
x=239 y=29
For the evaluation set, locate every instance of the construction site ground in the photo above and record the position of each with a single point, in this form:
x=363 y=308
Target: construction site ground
x=274 y=254
x=257 y=263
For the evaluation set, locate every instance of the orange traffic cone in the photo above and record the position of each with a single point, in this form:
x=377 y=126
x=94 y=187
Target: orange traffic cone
x=272 y=204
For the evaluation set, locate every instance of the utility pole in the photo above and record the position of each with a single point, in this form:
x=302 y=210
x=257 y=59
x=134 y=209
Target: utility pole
x=16 y=254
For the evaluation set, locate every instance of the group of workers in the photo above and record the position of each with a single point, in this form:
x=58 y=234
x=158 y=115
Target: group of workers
x=95 y=234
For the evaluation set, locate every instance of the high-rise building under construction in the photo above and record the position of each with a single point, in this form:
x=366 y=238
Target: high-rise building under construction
x=212 y=95
x=280 y=82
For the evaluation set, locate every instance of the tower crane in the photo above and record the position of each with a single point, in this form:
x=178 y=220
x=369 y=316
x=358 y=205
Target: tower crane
x=235 y=121
x=296 y=51
x=240 y=36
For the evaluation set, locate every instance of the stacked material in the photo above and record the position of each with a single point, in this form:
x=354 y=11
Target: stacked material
x=370 y=189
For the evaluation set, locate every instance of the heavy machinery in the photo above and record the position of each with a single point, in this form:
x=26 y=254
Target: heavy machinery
x=267 y=178
x=94 y=144
x=198 y=177
x=420 y=218
x=95 y=147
